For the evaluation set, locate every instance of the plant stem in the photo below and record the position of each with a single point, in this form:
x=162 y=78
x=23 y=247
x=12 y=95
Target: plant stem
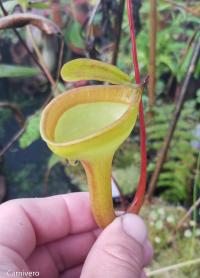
x=182 y=60
x=188 y=214
x=118 y=30
x=139 y=197
x=121 y=195
x=196 y=186
x=152 y=53
x=89 y=24
x=19 y=133
x=13 y=140
x=18 y=114
x=163 y=152
x=46 y=73
x=133 y=41
x=172 y=267
x=195 y=197
x=40 y=59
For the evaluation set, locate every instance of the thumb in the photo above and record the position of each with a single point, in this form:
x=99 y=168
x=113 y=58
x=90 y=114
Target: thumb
x=119 y=251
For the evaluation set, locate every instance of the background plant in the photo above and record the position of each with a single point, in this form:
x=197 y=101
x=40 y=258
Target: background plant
x=175 y=181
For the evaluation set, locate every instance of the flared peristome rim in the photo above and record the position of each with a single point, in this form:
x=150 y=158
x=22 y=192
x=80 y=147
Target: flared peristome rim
x=108 y=93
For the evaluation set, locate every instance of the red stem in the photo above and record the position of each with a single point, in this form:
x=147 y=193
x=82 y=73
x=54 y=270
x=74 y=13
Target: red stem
x=139 y=196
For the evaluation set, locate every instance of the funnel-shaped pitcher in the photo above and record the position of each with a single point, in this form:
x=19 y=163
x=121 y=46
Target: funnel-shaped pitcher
x=89 y=124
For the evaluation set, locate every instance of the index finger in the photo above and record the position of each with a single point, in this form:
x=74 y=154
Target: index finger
x=25 y=223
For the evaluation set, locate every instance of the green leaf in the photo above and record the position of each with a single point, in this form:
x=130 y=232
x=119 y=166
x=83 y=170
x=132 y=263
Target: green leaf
x=88 y=69
x=73 y=35
x=127 y=177
x=23 y=3
x=38 y=5
x=163 y=7
x=17 y=71
x=168 y=61
x=32 y=132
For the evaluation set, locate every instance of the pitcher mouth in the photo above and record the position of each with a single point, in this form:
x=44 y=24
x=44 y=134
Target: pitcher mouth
x=131 y=98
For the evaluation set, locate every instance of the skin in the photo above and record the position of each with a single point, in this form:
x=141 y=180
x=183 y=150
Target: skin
x=56 y=235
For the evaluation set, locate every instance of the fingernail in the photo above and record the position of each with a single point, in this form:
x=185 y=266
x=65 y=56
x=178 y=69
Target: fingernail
x=134 y=226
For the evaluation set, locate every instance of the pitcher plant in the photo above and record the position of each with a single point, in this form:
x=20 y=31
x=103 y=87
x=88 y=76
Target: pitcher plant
x=89 y=124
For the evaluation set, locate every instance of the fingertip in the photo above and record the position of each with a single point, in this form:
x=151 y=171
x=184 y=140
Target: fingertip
x=135 y=227
x=119 y=251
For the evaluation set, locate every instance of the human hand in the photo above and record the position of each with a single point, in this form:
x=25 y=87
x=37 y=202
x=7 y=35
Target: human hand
x=53 y=236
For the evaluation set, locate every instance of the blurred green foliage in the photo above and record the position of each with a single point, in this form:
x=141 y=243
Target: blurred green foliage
x=175 y=29
x=32 y=132
x=178 y=171
x=17 y=71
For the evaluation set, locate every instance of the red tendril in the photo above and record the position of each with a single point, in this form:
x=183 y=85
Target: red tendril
x=139 y=196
